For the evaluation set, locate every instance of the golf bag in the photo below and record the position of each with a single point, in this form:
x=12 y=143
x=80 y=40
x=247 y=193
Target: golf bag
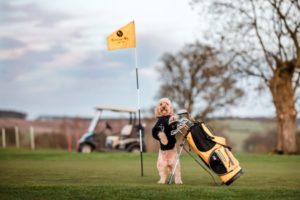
x=212 y=149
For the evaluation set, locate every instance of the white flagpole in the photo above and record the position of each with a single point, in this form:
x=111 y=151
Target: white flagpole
x=139 y=110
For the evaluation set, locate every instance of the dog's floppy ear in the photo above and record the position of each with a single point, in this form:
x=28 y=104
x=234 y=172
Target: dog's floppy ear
x=170 y=105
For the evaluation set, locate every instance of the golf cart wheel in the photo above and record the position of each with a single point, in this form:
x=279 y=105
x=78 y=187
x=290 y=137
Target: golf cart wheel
x=134 y=149
x=86 y=148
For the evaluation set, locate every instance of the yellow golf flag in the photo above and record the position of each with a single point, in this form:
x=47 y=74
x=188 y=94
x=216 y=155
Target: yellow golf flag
x=122 y=38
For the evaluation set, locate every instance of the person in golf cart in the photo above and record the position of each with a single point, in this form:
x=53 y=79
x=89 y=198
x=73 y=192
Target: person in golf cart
x=126 y=140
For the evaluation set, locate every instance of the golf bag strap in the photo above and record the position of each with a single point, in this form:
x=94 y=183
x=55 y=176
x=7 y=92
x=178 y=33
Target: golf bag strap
x=219 y=140
x=226 y=146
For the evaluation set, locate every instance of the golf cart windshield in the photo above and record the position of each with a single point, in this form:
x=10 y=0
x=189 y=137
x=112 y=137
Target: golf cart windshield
x=100 y=109
x=95 y=121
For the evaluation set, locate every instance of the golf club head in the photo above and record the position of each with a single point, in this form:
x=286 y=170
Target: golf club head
x=183 y=113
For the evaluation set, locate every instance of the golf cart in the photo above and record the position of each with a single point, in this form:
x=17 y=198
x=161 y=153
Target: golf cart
x=126 y=140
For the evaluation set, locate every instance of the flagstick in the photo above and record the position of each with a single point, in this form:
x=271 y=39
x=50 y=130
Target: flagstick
x=139 y=110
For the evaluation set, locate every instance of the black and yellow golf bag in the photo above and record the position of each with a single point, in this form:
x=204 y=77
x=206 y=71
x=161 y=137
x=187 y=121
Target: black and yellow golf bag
x=212 y=149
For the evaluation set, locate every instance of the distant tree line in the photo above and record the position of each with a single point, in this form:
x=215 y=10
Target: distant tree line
x=12 y=114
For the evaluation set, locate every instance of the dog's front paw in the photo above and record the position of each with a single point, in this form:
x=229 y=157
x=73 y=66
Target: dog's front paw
x=161 y=182
x=178 y=182
x=163 y=138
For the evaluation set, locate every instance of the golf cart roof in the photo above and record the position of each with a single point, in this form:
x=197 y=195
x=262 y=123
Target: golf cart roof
x=115 y=109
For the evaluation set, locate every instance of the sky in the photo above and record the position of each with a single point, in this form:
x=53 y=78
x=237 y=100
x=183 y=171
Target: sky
x=54 y=61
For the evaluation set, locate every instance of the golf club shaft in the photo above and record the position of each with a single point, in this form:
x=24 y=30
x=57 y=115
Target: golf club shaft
x=177 y=161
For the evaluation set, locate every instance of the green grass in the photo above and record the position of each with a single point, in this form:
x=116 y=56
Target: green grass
x=42 y=174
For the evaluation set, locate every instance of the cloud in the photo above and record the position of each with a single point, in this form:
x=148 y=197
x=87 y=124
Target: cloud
x=11 y=48
x=149 y=73
x=13 y=69
x=29 y=12
x=12 y=54
x=10 y=43
x=29 y=29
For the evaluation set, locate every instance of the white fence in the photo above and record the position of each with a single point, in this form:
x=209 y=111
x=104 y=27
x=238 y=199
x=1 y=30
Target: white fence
x=17 y=137
x=33 y=138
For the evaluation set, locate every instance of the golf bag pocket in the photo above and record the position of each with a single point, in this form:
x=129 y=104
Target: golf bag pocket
x=221 y=161
x=216 y=163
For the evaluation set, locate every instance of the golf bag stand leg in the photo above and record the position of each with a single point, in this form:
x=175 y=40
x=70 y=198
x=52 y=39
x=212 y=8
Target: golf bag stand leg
x=177 y=161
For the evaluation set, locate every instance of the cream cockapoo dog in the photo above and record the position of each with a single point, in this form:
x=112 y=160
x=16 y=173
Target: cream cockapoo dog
x=162 y=132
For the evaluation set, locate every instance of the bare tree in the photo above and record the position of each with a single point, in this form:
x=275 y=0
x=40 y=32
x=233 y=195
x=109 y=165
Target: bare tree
x=265 y=34
x=197 y=79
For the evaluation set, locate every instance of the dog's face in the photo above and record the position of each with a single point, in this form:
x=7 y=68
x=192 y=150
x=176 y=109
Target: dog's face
x=164 y=108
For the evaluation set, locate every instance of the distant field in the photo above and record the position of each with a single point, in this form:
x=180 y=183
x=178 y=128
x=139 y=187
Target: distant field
x=239 y=130
x=246 y=126
x=26 y=174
